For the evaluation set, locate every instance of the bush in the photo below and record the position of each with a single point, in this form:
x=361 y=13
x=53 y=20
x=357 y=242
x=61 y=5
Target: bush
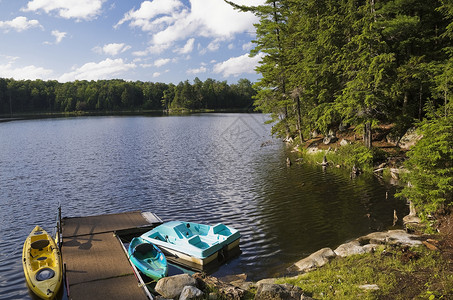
x=430 y=165
x=355 y=154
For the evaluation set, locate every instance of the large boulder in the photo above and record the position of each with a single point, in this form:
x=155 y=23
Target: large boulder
x=409 y=139
x=171 y=287
x=269 y=291
x=317 y=259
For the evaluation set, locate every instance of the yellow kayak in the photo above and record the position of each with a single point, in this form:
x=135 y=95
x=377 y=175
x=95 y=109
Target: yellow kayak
x=42 y=264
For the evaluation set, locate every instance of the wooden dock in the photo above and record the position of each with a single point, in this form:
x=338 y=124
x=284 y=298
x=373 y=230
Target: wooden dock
x=96 y=263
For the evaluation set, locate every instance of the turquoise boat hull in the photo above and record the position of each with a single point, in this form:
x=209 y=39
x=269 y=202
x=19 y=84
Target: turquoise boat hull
x=194 y=242
x=148 y=258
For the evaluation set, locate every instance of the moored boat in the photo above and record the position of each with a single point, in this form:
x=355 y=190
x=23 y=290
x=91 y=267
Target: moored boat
x=193 y=242
x=41 y=260
x=148 y=258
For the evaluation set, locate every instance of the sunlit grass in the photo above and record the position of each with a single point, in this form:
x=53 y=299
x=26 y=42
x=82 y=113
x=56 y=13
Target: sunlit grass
x=397 y=274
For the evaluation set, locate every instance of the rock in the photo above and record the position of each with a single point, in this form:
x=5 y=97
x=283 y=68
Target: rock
x=369 y=287
x=350 y=248
x=409 y=139
x=225 y=290
x=171 y=287
x=393 y=237
x=401 y=237
x=344 y=142
x=266 y=281
x=190 y=292
x=317 y=259
x=267 y=291
x=369 y=248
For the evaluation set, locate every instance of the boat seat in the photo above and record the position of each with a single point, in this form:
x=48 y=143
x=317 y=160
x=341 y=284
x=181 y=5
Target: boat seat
x=144 y=248
x=39 y=244
x=194 y=240
x=217 y=229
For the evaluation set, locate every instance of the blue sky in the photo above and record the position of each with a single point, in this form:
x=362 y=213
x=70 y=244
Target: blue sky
x=159 y=40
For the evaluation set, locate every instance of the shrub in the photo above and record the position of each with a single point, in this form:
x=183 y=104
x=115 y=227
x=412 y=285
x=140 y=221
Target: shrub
x=430 y=165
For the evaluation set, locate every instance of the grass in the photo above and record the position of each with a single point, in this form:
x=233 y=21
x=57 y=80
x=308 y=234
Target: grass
x=399 y=273
x=346 y=156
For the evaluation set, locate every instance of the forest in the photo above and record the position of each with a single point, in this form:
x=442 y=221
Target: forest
x=38 y=96
x=358 y=64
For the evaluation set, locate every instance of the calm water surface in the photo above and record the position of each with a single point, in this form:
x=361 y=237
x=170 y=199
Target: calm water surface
x=205 y=168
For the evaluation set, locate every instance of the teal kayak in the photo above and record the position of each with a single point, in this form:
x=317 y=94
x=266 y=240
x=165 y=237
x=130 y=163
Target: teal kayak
x=197 y=243
x=148 y=258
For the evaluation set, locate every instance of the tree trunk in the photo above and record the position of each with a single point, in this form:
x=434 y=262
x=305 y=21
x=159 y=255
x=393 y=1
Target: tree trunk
x=299 y=119
x=367 y=135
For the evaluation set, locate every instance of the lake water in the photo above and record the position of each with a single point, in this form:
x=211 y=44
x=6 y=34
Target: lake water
x=205 y=168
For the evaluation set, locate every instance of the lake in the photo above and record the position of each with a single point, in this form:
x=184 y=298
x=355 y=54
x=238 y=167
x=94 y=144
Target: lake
x=205 y=168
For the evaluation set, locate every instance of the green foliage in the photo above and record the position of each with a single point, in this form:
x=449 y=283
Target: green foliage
x=25 y=96
x=356 y=155
x=352 y=62
x=430 y=165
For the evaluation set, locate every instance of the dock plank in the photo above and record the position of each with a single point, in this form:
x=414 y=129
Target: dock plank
x=119 y=288
x=94 y=257
x=96 y=264
x=103 y=223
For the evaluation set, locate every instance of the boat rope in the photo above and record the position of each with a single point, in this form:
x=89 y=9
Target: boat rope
x=146 y=283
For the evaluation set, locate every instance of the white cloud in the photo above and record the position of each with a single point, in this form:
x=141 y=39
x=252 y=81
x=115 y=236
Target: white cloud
x=247 y=46
x=140 y=53
x=236 y=66
x=188 y=47
x=143 y=16
x=106 y=69
x=77 y=9
x=58 y=36
x=8 y=70
x=201 y=69
x=169 y=21
x=161 y=62
x=156 y=74
x=19 y=24
x=112 y=49
x=214 y=46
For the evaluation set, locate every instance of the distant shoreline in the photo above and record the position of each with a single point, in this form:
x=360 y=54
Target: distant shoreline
x=45 y=115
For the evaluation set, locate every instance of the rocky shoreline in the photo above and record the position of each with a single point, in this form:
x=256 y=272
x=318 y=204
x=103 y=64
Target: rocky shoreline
x=236 y=287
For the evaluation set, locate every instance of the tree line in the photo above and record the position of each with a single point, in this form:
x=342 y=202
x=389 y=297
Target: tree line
x=22 y=96
x=338 y=63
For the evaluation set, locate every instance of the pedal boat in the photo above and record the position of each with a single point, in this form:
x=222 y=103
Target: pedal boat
x=192 y=242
